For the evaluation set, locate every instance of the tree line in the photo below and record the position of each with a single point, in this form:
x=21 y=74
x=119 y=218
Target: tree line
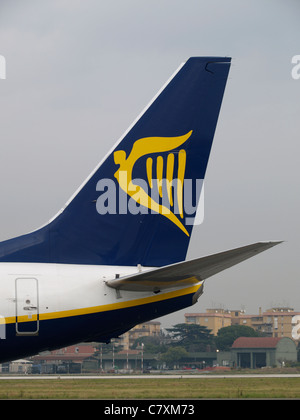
x=183 y=339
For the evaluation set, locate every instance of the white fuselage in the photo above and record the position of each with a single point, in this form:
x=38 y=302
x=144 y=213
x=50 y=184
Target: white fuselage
x=60 y=288
x=47 y=306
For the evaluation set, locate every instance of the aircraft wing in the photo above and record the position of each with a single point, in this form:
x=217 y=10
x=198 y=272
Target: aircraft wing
x=188 y=272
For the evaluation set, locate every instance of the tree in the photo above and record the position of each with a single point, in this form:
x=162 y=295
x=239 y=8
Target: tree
x=152 y=345
x=227 y=335
x=192 y=337
x=173 y=355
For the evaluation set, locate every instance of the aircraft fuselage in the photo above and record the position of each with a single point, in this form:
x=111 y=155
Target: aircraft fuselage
x=48 y=306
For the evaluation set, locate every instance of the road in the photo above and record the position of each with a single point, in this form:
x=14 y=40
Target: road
x=202 y=376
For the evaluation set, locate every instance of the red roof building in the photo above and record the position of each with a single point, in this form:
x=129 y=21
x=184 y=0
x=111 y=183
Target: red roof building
x=76 y=353
x=256 y=342
x=257 y=352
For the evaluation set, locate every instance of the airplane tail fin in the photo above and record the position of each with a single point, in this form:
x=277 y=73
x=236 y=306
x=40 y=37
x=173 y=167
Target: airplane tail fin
x=139 y=205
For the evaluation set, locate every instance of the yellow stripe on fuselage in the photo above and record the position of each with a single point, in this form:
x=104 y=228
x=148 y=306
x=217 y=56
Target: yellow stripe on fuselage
x=105 y=308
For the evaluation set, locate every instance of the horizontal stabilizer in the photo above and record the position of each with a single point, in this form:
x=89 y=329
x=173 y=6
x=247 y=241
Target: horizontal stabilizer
x=188 y=272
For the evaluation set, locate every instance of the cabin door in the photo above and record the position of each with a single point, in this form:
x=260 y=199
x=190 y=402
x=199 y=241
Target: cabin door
x=27 y=306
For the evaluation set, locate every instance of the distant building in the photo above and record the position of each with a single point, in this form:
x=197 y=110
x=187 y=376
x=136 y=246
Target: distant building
x=213 y=319
x=274 y=322
x=22 y=366
x=72 y=353
x=257 y=352
x=65 y=360
x=147 y=329
x=282 y=322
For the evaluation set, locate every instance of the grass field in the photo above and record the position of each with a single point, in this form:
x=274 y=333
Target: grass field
x=183 y=388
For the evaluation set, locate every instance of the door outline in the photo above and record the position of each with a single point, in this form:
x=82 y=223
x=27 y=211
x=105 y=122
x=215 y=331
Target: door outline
x=27 y=304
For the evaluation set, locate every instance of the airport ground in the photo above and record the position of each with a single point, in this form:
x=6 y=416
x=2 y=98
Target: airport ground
x=184 y=387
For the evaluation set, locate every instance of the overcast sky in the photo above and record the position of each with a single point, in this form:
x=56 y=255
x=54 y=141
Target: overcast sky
x=78 y=72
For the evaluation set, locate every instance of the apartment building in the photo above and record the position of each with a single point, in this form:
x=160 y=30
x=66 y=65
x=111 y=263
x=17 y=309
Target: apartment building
x=274 y=322
x=213 y=319
x=282 y=322
x=148 y=329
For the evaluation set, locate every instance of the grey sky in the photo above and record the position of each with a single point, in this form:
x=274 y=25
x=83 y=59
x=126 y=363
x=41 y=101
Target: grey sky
x=78 y=74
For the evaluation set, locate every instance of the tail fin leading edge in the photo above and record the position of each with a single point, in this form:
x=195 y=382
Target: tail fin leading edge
x=133 y=208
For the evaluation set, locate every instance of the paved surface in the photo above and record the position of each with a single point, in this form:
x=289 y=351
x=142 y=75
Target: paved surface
x=203 y=376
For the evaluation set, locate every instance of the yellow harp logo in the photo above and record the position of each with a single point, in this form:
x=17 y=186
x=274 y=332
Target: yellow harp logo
x=142 y=148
